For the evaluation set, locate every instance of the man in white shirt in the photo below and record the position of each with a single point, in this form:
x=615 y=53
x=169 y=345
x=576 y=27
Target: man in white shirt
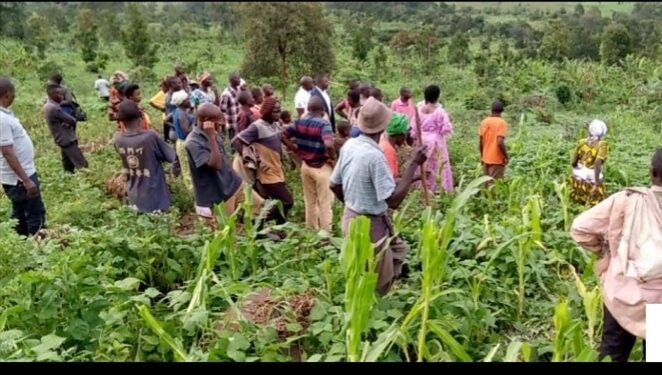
x=18 y=174
x=103 y=88
x=303 y=95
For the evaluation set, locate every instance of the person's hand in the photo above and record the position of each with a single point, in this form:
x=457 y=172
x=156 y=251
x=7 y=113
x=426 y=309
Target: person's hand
x=418 y=177
x=209 y=127
x=419 y=155
x=31 y=188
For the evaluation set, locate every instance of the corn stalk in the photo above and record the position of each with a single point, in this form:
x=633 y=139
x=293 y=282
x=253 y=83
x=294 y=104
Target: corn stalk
x=358 y=259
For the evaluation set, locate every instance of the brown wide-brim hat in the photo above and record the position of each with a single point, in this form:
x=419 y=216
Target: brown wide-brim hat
x=373 y=116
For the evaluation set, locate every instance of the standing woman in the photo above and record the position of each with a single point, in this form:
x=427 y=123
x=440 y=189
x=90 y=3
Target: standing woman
x=264 y=136
x=435 y=128
x=590 y=155
x=183 y=122
x=118 y=82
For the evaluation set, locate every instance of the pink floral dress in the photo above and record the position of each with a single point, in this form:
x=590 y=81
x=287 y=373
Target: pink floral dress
x=435 y=128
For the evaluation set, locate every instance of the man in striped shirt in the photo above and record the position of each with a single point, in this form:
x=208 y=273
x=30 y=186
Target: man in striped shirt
x=230 y=104
x=314 y=145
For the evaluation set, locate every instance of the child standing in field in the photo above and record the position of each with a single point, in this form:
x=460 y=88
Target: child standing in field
x=142 y=151
x=493 y=152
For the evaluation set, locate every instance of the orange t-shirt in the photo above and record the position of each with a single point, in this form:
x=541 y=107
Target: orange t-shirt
x=490 y=129
x=391 y=155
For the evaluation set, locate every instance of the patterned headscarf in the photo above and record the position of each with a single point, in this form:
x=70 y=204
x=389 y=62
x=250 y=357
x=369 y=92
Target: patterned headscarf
x=117 y=77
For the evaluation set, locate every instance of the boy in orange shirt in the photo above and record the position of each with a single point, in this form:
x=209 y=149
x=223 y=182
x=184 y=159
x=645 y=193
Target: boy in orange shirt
x=493 y=152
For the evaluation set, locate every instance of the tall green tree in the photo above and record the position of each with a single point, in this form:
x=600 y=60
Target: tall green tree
x=107 y=25
x=86 y=35
x=616 y=44
x=286 y=40
x=554 y=46
x=39 y=33
x=362 y=42
x=138 y=44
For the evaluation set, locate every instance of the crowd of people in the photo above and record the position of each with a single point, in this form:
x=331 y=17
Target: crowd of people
x=237 y=143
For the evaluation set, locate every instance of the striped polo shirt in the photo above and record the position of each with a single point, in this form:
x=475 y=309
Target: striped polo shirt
x=310 y=134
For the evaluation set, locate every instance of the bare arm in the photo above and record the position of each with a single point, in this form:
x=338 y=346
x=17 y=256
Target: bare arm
x=590 y=228
x=402 y=187
x=337 y=191
x=300 y=111
x=480 y=147
x=330 y=149
x=215 y=159
x=502 y=147
x=288 y=143
x=598 y=170
x=340 y=110
x=9 y=155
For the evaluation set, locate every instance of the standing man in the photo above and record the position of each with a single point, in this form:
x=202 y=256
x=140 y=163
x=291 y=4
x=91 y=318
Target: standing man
x=625 y=231
x=103 y=88
x=132 y=92
x=268 y=90
x=302 y=96
x=493 y=151
x=363 y=181
x=67 y=103
x=18 y=174
x=142 y=151
x=320 y=90
x=315 y=146
x=214 y=180
x=63 y=129
x=230 y=104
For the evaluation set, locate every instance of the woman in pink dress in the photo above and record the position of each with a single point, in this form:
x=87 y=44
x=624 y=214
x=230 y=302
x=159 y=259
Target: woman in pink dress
x=435 y=128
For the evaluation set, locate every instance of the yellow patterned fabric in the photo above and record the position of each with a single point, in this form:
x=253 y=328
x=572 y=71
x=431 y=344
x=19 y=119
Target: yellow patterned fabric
x=582 y=191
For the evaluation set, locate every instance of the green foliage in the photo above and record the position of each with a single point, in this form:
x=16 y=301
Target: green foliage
x=303 y=47
x=554 y=45
x=458 y=50
x=87 y=39
x=46 y=70
x=616 y=44
x=138 y=44
x=12 y=15
x=39 y=33
x=563 y=94
x=362 y=42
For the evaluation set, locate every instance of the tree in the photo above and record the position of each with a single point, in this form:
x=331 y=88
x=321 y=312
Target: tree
x=362 y=42
x=39 y=33
x=616 y=44
x=579 y=9
x=86 y=35
x=286 y=40
x=107 y=25
x=137 y=42
x=554 y=46
x=12 y=15
x=458 y=50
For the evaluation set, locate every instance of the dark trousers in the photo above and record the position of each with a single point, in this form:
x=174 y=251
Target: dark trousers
x=280 y=192
x=30 y=212
x=617 y=343
x=72 y=157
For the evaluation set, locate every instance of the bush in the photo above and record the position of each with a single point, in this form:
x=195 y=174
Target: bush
x=563 y=94
x=143 y=75
x=47 y=69
x=477 y=100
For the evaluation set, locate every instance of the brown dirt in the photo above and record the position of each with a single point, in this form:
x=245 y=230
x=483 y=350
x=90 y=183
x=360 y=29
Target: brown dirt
x=261 y=308
x=93 y=146
x=115 y=186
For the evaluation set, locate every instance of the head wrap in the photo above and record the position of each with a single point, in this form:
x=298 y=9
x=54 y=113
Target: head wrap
x=203 y=77
x=178 y=97
x=399 y=124
x=117 y=77
x=597 y=129
x=267 y=105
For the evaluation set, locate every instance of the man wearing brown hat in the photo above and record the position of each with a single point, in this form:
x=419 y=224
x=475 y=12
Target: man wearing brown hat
x=363 y=181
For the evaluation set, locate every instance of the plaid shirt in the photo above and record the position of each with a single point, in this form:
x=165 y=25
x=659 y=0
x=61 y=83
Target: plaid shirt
x=230 y=107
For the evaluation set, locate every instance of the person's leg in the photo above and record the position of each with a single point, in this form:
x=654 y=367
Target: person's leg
x=325 y=197
x=309 y=196
x=282 y=193
x=617 y=343
x=75 y=156
x=35 y=212
x=231 y=204
x=67 y=164
x=18 y=197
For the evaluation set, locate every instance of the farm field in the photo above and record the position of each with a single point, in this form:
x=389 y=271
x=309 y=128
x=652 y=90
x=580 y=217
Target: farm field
x=495 y=272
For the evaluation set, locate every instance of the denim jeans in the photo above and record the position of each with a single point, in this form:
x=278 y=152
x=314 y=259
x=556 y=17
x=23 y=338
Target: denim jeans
x=30 y=212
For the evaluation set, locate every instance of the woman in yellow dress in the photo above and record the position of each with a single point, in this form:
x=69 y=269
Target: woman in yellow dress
x=587 y=164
